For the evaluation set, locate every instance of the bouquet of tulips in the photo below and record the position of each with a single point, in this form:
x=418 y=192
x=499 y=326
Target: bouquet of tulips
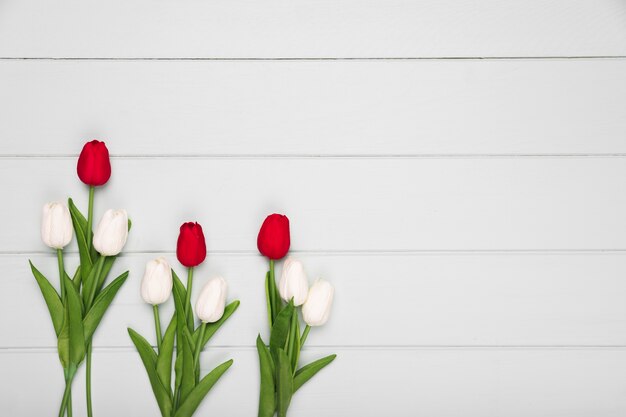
x=83 y=299
x=280 y=375
x=188 y=389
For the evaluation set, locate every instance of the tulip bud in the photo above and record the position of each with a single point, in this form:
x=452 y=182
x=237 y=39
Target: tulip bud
x=56 y=225
x=94 y=166
x=156 y=285
x=111 y=234
x=316 y=309
x=293 y=282
x=191 y=246
x=273 y=240
x=212 y=300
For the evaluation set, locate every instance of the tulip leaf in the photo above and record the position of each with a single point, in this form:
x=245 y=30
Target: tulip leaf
x=100 y=306
x=77 y=279
x=189 y=373
x=280 y=331
x=164 y=360
x=306 y=372
x=179 y=297
x=294 y=341
x=51 y=297
x=196 y=396
x=75 y=324
x=91 y=281
x=182 y=291
x=80 y=227
x=106 y=268
x=267 y=398
x=149 y=359
x=284 y=382
x=212 y=328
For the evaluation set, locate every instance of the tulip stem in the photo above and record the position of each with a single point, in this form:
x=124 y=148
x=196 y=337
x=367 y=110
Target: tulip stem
x=275 y=305
x=304 y=335
x=61 y=273
x=88 y=381
x=66 y=396
x=90 y=217
x=157 y=326
x=196 y=354
x=188 y=297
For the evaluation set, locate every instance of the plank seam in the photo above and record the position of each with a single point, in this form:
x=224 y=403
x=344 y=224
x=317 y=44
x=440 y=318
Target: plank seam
x=364 y=58
x=335 y=156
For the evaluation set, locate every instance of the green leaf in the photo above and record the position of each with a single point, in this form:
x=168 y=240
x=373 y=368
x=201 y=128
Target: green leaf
x=77 y=279
x=189 y=372
x=306 y=372
x=149 y=359
x=63 y=340
x=196 y=396
x=91 y=281
x=211 y=328
x=267 y=399
x=294 y=341
x=80 y=227
x=182 y=292
x=100 y=306
x=284 y=382
x=106 y=268
x=164 y=360
x=51 y=297
x=280 y=331
x=75 y=327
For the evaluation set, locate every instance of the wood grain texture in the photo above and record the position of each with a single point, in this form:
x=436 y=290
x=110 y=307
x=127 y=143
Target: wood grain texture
x=432 y=382
x=340 y=204
x=311 y=29
x=404 y=300
x=314 y=108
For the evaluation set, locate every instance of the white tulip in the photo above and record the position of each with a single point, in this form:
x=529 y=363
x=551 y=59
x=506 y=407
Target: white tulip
x=56 y=225
x=212 y=300
x=156 y=285
x=111 y=233
x=293 y=282
x=316 y=310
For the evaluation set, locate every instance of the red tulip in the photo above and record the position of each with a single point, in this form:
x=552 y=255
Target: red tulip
x=191 y=247
x=94 y=166
x=273 y=240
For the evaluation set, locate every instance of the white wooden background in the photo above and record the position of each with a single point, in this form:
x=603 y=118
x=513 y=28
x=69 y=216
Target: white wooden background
x=456 y=168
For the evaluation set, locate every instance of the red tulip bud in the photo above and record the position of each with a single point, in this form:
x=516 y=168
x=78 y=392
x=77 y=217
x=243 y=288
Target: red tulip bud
x=273 y=240
x=191 y=247
x=94 y=166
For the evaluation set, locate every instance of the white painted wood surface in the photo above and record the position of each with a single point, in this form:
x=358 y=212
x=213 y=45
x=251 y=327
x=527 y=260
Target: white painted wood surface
x=469 y=211
x=315 y=108
x=311 y=28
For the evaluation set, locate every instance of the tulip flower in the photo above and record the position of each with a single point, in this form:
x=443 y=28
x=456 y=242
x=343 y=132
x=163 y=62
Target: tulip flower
x=293 y=282
x=56 y=225
x=156 y=285
x=111 y=234
x=94 y=166
x=316 y=309
x=273 y=240
x=212 y=300
x=191 y=246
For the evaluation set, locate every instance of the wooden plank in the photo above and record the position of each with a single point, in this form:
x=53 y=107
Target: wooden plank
x=311 y=29
x=340 y=204
x=402 y=300
x=432 y=382
x=314 y=108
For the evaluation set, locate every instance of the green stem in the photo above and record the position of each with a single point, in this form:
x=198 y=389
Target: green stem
x=275 y=306
x=88 y=381
x=66 y=395
x=304 y=335
x=196 y=354
x=69 y=404
x=188 y=297
x=269 y=299
x=61 y=273
x=90 y=216
x=157 y=326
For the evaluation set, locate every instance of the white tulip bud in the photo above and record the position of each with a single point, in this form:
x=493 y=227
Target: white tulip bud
x=316 y=310
x=156 y=285
x=111 y=234
x=293 y=282
x=56 y=225
x=212 y=300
